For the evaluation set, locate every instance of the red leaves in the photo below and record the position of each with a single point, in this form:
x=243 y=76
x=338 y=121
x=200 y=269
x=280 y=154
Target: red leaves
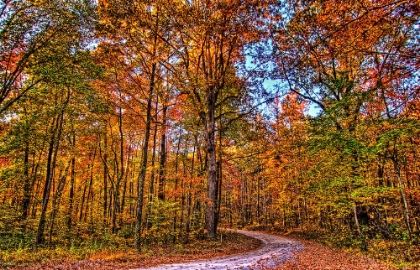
x=4 y=162
x=317 y=256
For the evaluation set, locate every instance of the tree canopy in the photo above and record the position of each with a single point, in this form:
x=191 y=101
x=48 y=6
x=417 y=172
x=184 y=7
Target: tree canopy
x=152 y=120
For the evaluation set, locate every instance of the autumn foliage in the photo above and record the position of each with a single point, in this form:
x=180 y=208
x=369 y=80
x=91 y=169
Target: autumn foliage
x=160 y=121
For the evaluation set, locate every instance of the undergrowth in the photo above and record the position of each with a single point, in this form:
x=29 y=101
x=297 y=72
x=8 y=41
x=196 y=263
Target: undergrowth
x=116 y=248
x=400 y=252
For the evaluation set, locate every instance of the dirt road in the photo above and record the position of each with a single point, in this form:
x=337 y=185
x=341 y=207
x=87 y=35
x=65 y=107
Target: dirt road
x=274 y=252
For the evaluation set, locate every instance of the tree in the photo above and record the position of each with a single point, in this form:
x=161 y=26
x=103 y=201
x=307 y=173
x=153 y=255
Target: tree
x=220 y=32
x=350 y=60
x=27 y=28
x=139 y=40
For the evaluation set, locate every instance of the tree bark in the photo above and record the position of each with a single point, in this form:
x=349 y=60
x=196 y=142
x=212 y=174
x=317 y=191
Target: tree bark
x=57 y=128
x=51 y=163
x=152 y=178
x=209 y=134
x=142 y=173
x=56 y=201
x=71 y=191
x=162 y=161
x=120 y=172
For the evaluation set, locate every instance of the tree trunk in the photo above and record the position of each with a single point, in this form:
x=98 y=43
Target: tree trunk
x=176 y=175
x=55 y=202
x=152 y=178
x=71 y=191
x=27 y=184
x=403 y=197
x=142 y=174
x=120 y=172
x=162 y=161
x=127 y=172
x=51 y=163
x=211 y=200
x=105 y=178
x=189 y=197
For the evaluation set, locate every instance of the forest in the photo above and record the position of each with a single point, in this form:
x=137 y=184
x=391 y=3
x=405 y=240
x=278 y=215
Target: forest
x=160 y=121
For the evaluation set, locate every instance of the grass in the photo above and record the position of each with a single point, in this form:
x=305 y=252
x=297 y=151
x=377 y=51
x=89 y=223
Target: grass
x=113 y=252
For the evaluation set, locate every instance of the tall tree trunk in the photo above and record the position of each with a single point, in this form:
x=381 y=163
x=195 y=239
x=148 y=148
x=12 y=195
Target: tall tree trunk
x=71 y=191
x=176 y=176
x=219 y=177
x=127 y=172
x=162 y=160
x=183 y=182
x=57 y=128
x=189 y=197
x=89 y=198
x=105 y=177
x=143 y=166
x=209 y=135
x=82 y=203
x=120 y=176
x=142 y=174
x=35 y=184
x=27 y=184
x=152 y=178
x=51 y=162
x=55 y=202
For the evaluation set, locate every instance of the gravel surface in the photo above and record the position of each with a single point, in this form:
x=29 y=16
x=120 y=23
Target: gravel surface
x=273 y=253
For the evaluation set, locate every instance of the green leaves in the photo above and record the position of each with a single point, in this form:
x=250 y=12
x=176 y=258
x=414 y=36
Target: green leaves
x=35 y=37
x=369 y=193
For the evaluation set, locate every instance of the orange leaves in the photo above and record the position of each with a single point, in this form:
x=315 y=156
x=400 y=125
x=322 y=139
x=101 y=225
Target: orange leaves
x=9 y=62
x=318 y=256
x=4 y=162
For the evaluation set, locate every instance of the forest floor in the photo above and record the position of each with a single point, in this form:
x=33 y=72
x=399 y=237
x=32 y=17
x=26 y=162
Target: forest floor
x=254 y=250
x=226 y=244
x=279 y=252
x=318 y=256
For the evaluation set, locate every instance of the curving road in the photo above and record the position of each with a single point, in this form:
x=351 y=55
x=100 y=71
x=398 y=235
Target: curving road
x=274 y=252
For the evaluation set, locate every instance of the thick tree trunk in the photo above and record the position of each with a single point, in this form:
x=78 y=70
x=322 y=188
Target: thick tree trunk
x=211 y=200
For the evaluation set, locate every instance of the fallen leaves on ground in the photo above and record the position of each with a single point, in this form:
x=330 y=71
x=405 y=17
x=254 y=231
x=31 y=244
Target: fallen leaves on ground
x=317 y=256
x=156 y=254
